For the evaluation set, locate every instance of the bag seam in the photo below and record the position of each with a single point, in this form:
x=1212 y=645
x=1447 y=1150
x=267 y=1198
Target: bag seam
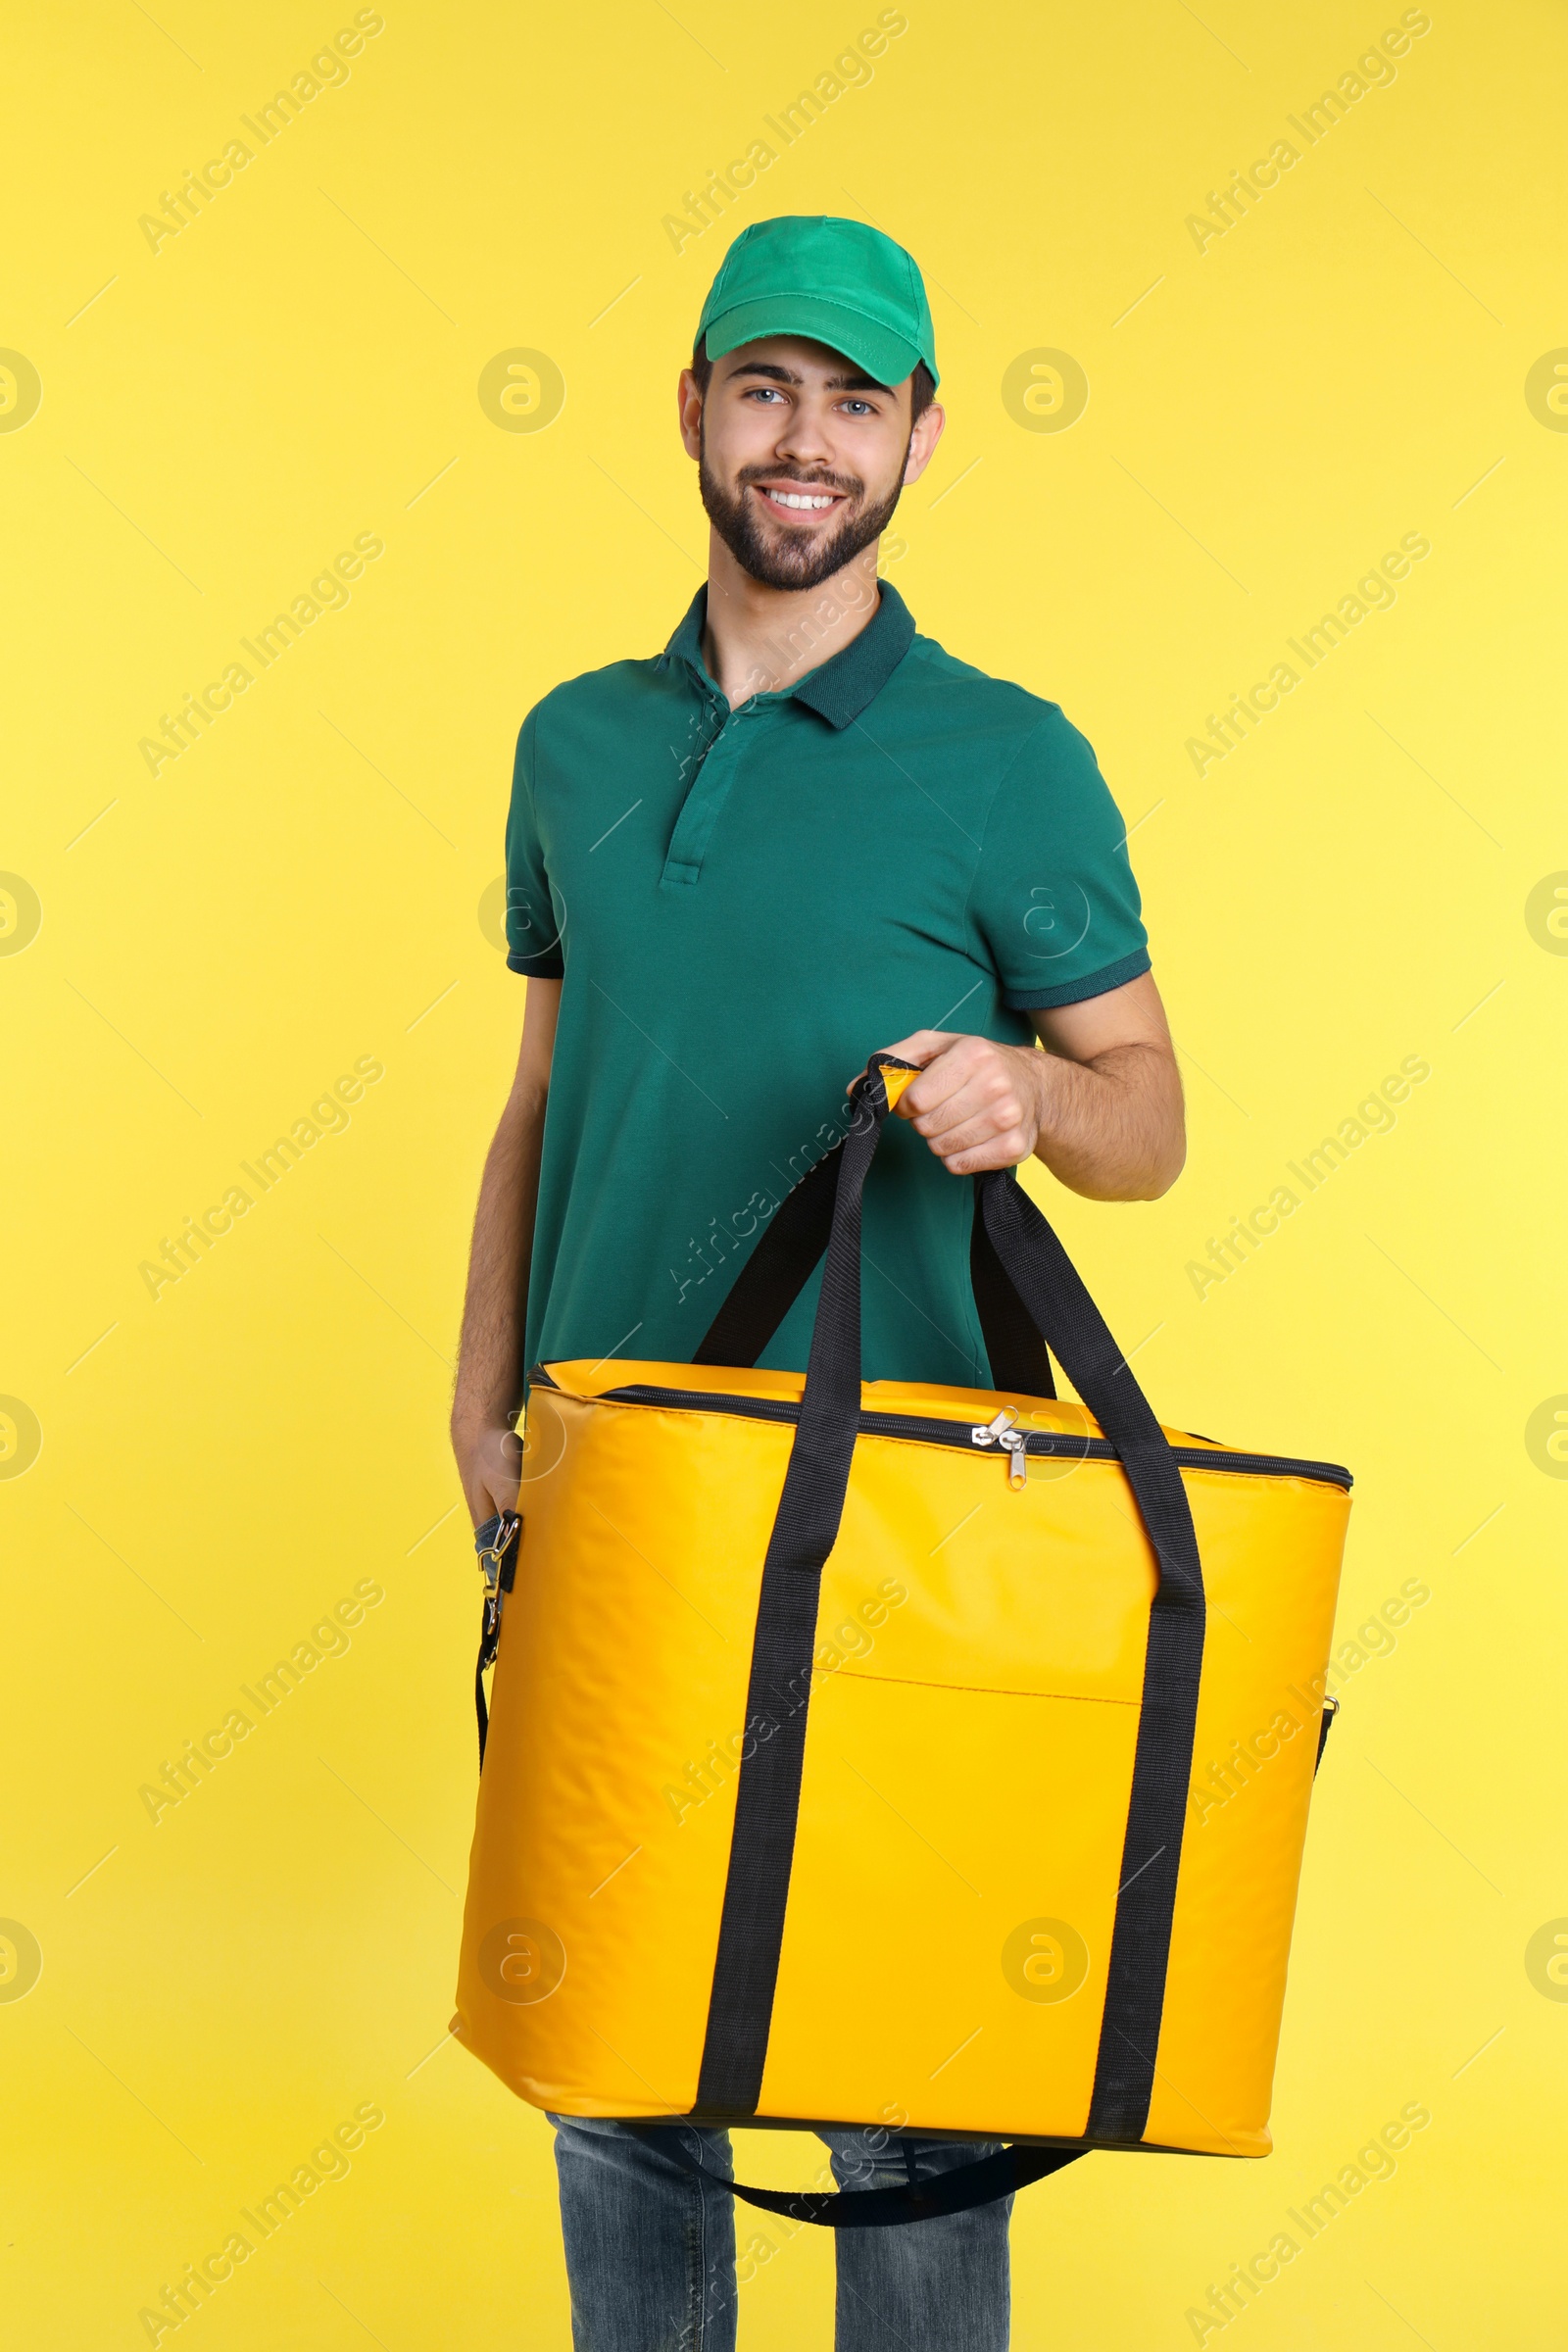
x=1079 y=1699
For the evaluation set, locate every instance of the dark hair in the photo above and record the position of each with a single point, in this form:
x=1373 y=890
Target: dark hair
x=922 y=391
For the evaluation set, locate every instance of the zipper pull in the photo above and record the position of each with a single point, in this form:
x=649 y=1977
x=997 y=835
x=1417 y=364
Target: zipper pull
x=992 y=1432
x=1015 y=1442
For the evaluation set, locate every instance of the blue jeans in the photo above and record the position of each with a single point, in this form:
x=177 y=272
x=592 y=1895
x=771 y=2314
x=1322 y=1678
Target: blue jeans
x=650 y=2249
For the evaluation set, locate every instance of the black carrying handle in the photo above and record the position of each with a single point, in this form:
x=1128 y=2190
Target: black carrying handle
x=790 y=1248
x=1051 y=1290
x=1061 y=1313
x=959 y=2191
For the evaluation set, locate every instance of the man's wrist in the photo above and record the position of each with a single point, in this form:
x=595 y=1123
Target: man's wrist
x=476 y=1418
x=1037 y=1082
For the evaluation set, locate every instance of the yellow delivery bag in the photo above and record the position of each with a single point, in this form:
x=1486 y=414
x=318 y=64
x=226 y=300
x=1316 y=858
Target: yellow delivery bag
x=895 y=1755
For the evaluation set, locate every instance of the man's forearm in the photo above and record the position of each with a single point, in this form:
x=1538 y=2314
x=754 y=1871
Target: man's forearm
x=1112 y=1128
x=490 y=1365
x=489 y=1383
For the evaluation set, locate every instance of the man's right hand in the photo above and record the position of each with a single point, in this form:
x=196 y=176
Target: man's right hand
x=490 y=1466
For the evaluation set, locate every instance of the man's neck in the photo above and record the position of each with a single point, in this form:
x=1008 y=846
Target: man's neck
x=759 y=639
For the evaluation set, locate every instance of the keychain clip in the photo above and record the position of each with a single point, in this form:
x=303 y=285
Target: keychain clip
x=498 y=1564
x=490 y=1558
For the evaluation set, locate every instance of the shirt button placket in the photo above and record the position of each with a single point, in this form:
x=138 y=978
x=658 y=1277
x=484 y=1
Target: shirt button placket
x=705 y=798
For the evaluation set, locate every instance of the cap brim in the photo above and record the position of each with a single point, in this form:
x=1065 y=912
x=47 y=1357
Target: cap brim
x=885 y=356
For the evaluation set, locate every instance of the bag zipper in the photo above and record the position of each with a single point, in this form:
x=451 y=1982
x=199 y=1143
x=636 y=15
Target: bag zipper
x=1002 y=1432
x=1016 y=1444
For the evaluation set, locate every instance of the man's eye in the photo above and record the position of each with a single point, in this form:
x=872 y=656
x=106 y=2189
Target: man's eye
x=862 y=408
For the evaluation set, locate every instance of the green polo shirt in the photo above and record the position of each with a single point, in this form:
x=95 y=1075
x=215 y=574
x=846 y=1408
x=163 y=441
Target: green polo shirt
x=743 y=905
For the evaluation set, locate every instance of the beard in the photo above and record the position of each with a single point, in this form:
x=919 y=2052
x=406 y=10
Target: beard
x=781 y=559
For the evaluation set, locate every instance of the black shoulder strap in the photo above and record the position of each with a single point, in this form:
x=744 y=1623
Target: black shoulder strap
x=1331 y=1707
x=496 y=1543
x=789 y=1249
x=957 y=2192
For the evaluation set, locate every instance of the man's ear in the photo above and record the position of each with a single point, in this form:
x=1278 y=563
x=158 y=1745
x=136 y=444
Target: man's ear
x=924 y=440
x=689 y=412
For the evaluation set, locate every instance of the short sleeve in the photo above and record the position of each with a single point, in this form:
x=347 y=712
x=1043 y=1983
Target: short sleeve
x=533 y=935
x=1053 y=899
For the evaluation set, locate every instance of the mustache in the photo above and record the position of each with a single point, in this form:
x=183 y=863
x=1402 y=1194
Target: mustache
x=847 y=485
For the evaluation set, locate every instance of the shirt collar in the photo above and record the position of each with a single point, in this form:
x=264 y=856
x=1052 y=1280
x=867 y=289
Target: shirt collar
x=837 y=690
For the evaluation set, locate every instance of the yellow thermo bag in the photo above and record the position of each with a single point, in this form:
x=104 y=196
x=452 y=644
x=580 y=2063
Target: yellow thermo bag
x=891 y=1755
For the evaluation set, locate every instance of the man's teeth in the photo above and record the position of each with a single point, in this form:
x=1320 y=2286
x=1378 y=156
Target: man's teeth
x=799 y=498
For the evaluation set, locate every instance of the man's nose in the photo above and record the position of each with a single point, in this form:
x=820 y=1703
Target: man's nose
x=804 y=438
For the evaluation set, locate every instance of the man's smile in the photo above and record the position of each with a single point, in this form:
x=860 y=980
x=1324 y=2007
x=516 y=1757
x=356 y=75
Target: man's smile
x=789 y=500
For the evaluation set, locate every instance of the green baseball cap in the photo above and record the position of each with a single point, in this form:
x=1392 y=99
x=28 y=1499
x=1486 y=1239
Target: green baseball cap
x=840 y=282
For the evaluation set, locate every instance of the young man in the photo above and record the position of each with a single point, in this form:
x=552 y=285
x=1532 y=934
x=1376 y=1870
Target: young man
x=735 y=870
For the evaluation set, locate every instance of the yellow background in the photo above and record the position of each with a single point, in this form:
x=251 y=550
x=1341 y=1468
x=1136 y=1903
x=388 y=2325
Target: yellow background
x=302 y=888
